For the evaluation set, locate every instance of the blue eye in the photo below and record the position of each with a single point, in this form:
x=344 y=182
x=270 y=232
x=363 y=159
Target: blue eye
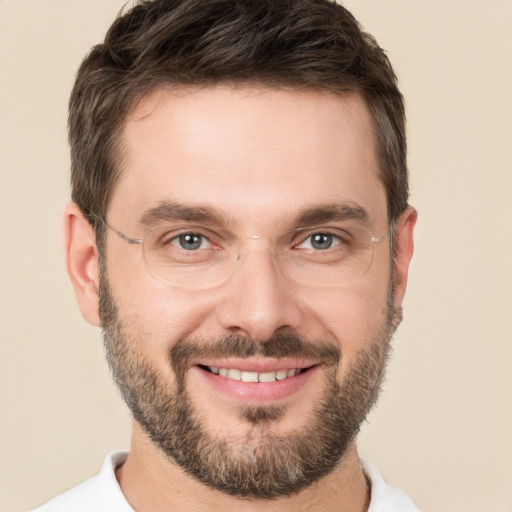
x=191 y=241
x=320 y=241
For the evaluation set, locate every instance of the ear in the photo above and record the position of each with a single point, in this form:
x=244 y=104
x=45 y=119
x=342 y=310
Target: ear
x=82 y=261
x=404 y=248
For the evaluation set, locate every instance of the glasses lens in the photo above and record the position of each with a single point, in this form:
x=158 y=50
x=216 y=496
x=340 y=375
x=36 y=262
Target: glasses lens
x=328 y=257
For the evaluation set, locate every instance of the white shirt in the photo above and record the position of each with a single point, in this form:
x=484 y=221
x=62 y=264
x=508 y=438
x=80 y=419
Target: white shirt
x=102 y=493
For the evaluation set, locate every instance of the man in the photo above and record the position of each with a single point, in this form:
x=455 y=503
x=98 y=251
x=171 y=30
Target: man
x=240 y=231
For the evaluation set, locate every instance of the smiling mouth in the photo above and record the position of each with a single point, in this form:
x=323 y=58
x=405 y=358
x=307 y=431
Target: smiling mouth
x=247 y=376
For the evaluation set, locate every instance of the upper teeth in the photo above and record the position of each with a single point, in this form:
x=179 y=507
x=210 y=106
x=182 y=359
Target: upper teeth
x=233 y=373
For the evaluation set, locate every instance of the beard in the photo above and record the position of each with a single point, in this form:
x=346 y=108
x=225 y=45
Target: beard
x=257 y=463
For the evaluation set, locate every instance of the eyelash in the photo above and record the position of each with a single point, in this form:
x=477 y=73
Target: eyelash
x=166 y=240
x=326 y=233
x=176 y=238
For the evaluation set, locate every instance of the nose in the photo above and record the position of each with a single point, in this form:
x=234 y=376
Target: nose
x=258 y=299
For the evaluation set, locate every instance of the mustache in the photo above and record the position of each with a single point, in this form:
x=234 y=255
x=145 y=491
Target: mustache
x=279 y=346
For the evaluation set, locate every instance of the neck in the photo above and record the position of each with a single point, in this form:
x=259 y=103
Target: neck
x=151 y=482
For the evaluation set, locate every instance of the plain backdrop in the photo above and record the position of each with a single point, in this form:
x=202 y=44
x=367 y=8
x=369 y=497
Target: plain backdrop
x=443 y=427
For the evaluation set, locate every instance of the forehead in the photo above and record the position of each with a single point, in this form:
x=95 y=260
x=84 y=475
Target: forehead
x=248 y=152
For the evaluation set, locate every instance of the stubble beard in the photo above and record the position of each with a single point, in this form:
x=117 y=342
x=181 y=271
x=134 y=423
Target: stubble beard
x=259 y=464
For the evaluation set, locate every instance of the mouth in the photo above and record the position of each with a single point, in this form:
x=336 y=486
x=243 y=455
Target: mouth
x=256 y=381
x=254 y=376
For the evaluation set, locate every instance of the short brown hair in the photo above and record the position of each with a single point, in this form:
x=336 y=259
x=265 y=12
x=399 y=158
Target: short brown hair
x=299 y=44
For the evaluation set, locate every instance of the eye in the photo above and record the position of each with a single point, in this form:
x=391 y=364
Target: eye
x=190 y=241
x=320 y=241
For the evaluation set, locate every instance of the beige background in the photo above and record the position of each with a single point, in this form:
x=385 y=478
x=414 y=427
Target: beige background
x=442 y=430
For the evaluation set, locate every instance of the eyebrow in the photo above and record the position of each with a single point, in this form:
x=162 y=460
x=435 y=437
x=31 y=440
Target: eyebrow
x=333 y=213
x=171 y=211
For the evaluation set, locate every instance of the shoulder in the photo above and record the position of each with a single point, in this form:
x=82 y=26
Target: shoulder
x=97 y=494
x=384 y=497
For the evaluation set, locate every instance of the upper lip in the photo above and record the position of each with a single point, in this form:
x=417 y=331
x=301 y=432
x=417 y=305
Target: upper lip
x=259 y=365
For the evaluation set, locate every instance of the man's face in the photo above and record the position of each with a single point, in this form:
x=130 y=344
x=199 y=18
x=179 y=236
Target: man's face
x=257 y=159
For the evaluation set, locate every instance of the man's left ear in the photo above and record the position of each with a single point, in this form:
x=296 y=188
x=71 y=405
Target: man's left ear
x=404 y=248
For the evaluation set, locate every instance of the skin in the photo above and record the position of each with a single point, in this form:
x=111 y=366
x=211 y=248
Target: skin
x=259 y=156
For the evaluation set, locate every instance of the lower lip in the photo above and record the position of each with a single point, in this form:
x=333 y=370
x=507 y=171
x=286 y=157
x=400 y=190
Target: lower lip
x=257 y=391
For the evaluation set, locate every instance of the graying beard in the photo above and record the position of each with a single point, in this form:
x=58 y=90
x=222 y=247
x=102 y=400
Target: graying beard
x=276 y=466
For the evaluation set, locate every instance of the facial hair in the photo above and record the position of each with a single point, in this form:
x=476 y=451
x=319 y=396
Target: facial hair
x=259 y=464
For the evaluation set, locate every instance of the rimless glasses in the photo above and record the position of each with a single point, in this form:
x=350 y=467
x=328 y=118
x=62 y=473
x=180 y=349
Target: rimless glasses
x=194 y=256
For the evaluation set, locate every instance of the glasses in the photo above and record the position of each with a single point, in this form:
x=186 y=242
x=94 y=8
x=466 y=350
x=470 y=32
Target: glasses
x=197 y=257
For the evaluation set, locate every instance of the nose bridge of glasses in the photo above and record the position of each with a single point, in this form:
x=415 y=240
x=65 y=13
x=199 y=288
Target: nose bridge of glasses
x=257 y=262
x=256 y=245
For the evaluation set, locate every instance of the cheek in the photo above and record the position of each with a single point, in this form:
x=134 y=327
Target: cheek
x=141 y=297
x=348 y=314
x=352 y=316
x=155 y=314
